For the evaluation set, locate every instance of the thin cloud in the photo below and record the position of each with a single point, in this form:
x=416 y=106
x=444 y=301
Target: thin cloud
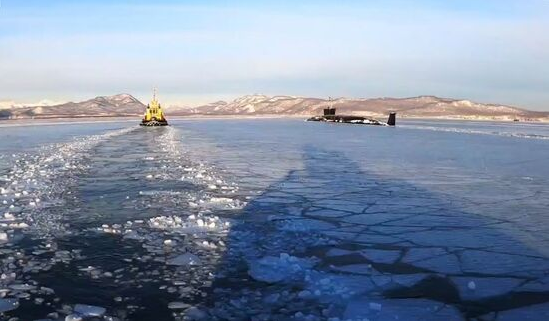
x=484 y=52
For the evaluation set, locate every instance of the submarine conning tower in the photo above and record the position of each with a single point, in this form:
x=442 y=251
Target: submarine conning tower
x=392 y=119
x=154 y=116
x=329 y=111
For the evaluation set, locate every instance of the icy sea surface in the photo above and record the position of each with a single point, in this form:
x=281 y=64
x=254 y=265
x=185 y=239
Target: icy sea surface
x=274 y=220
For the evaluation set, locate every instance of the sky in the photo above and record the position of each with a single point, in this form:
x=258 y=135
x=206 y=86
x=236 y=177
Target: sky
x=494 y=51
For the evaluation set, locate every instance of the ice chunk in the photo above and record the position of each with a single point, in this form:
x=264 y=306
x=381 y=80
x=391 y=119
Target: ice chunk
x=271 y=298
x=177 y=305
x=400 y=309
x=338 y=252
x=363 y=268
x=21 y=225
x=273 y=269
x=303 y=225
x=8 y=216
x=185 y=259
x=304 y=294
x=132 y=235
x=8 y=305
x=538 y=285
x=471 y=285
x=477 y=261
x=73 y=317
x=530 y=312
x=22 y=287
x=89 y=310
x=375 y=306
x=335 y=287
x=195 y=313
x=381 y=256
x=434 y=259
x=480 y=288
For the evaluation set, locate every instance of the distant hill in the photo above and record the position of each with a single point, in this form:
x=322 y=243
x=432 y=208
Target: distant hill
x=423 y=106
x=102 y=106
x=417 y=107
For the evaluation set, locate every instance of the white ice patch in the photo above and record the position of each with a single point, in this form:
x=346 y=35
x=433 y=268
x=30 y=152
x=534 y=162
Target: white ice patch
x=403 y=309
x=192 y=224
x=476 y=288
x=34 y=196
x=476 y=132
x=223 y=203
x=285 y=267
x=39 y=182
x=185 y=260
x=89 y=310
x=303 y=225
x=8 y=304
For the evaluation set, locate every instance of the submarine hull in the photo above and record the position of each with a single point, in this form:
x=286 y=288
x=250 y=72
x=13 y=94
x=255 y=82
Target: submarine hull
x=347 y=120
x=331 y=117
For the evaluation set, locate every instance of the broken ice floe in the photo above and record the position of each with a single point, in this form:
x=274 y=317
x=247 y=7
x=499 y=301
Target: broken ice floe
x=89 y=310
x=530 y=312
x=404 y=309
x=37 y=183
x=35 y=195
x=475 y=288
x=282 y=268
x=8 y=304
x=184 y=259
x=138 y=229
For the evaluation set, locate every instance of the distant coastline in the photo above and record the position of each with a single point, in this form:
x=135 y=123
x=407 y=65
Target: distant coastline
x=136 y=119
x=123 y=106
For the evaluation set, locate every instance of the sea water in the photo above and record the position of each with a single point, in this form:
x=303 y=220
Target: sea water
x=273 y=219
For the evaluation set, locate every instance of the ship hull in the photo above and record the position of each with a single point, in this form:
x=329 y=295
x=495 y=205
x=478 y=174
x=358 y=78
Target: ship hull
x=153 y=123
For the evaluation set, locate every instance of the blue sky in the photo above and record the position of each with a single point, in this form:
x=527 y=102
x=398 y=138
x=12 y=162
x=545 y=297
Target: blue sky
x=202 y=51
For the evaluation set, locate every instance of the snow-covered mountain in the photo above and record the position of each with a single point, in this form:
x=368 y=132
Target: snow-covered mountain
x=422 y=106
x=102 y=106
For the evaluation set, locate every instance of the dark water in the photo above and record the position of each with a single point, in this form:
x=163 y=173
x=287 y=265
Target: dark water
x=275 y=220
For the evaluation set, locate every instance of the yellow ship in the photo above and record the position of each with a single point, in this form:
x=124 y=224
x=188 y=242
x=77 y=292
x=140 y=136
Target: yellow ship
x=154 y=116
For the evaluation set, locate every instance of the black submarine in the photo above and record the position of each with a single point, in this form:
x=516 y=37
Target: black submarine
x=331 y=117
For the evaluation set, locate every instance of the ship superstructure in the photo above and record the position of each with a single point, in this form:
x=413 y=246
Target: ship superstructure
x=154 y=116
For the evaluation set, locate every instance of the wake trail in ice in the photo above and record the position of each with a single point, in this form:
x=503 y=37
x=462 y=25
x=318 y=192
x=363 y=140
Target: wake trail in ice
x=193 y=205
x=36 y=190
x=35 y=196
x=477 y=132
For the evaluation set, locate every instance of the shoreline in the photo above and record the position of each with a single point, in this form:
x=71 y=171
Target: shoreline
x=114 y=119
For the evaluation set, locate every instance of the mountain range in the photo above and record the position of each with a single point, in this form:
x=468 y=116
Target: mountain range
x=257 y=105
x=102 y=106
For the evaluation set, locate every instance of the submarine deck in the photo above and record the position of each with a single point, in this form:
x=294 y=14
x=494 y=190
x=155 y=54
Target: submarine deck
x=346 y=119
